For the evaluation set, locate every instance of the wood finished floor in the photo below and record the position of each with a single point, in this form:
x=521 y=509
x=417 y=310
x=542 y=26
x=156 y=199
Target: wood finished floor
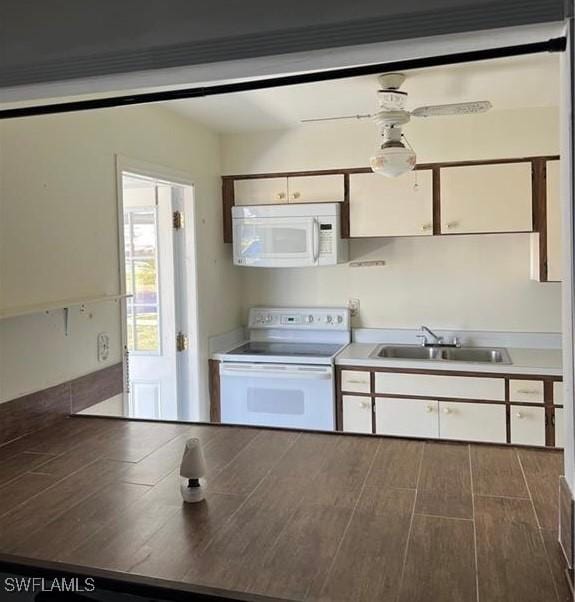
x=289 y=515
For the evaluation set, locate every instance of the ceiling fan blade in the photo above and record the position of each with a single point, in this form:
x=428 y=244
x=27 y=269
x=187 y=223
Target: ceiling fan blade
x=365 y=116
x=458 y=108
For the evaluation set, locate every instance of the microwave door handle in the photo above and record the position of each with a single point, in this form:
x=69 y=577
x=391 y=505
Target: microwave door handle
x=315 y=240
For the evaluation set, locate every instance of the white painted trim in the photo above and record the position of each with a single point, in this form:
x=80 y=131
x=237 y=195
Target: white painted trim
x=285 y=64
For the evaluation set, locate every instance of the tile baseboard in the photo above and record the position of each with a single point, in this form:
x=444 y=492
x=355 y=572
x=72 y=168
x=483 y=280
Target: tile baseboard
x=35 y=411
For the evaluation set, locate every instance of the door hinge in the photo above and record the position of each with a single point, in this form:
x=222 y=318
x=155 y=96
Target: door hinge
x=181 y=342
x=178 y=220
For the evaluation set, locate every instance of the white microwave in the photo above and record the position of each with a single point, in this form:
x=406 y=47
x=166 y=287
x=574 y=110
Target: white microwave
x=288 y=236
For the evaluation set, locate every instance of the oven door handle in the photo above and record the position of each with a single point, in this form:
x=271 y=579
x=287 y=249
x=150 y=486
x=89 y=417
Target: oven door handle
x=276 y=371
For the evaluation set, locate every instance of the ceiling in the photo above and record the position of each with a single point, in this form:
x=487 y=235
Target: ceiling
x=518 y=82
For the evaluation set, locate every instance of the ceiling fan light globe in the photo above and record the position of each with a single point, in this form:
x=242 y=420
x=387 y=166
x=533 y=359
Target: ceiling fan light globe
x=393 y=161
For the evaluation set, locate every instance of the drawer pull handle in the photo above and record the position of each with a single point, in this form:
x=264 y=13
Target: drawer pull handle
x=447 y=411
x=520 y=415
x=429 y=409
x=527 y=391
x=426 y=227
x=452 y=224
x=364 y=404
x=296 y=195
x=356 y=382
x=280 y=196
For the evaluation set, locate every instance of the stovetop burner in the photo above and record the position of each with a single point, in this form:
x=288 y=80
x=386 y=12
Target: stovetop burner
x=267 y=348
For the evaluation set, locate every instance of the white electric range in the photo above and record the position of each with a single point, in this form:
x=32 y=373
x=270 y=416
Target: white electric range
x=284 y=375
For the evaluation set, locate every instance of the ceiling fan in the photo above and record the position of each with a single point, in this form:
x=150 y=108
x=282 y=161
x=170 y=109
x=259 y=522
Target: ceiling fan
x=394 y=158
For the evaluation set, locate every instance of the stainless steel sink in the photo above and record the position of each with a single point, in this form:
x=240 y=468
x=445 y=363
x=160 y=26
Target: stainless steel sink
x=482 y=355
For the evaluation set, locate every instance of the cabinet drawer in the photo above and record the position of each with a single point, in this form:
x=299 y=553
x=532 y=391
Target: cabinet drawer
x=261 y=191
x=428 y=385
x=529 y=391
x=406 y=417
x=558 y=393
x=472 y=422
x=355 y=381
x=316 y=189
x=559 y=426
x=357 y=414
x=528 y=425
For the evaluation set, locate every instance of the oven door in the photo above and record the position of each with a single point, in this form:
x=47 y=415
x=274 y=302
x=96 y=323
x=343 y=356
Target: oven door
x=283 y=395
x=276 y=242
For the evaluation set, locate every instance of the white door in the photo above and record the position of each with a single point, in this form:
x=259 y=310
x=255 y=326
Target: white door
x=473 y=421
x=316 y=189
x=357 y=414
x=260 y=191
x=528 y=425
x=554 y=225
x=391 y=206
x=486 y=198
x=151 y=310
x=406 y=417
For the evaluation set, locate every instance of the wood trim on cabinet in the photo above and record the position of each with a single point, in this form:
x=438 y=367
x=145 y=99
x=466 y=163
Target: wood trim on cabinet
x=338 y=400
x=539 y=188
x=436 y=200
x=507 y=412
x=345 y=226
x=228 y=201
x=214 y=386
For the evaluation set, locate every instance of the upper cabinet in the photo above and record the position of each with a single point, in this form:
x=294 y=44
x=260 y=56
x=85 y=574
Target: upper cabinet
x=260 y=191
x=381 y=206
x=553 y=238
x=486 y=198
x=292 y=189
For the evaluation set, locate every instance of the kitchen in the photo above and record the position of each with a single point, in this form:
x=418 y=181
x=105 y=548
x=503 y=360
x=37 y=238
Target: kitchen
x=431 y=310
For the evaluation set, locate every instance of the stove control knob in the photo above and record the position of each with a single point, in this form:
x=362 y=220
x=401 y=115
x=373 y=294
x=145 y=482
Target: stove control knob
x=340 y=319
x=329 y=319
x=309 y=319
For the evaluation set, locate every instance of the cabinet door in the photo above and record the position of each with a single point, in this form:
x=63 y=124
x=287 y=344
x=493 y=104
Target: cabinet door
x=528 y=425
x=558 y=392
x=381 y=206
x=486 y=198
x=316 y=189
x=554 y=252
x=264 y=191
x=357 y=414
x=406 y=417
x=559 y=426
x=473 y=422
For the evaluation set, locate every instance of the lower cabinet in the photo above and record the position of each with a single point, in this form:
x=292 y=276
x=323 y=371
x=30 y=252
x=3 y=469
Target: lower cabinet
x=472 y=421
x=357 y=414
x=528 y=425
x=406 y=417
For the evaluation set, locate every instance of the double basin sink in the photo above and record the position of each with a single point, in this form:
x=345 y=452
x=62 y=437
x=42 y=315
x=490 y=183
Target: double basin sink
x=438 y=353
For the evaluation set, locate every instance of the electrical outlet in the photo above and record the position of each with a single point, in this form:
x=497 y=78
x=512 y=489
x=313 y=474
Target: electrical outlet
x=103 y=347
x=353 y=305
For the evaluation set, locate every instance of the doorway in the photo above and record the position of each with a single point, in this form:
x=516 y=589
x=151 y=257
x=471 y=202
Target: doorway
x=156 y=274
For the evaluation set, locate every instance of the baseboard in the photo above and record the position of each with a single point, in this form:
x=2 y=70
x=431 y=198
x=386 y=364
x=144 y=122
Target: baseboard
x=566 y=526
x=30 y=413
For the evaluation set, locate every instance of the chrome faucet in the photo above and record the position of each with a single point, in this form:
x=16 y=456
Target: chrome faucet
x=436 y=340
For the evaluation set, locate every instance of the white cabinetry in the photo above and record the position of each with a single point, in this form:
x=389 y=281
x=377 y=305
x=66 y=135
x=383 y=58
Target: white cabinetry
x=316 y=189
x=526 y=391
x=406 y=417
x=355 y=381
x=381 y=206
x=559 y=426
x=357 y=414
x=486 y=198
x=528 y=425
x=260 y=191
x=472 y=422
x=297 y=189
x=431 y=385
x=558 y=393
x=554 y=251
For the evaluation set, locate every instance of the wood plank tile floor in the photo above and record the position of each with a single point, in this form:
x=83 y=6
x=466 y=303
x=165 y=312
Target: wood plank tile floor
x=288 y=515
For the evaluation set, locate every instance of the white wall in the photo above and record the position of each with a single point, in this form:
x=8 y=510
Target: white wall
x=58 y=233
x=474 y=282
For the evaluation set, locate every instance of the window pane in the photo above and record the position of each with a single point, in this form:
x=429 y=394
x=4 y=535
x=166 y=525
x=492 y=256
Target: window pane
x=147 y=330
x=146 y=281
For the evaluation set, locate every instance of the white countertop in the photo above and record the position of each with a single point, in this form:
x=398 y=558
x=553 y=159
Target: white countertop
x=544 y=362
